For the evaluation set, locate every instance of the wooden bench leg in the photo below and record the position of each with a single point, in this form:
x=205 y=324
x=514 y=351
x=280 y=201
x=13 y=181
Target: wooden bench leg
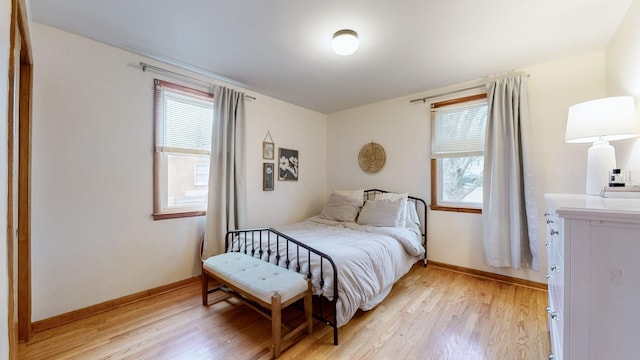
x=276 y=324
x=205 y=289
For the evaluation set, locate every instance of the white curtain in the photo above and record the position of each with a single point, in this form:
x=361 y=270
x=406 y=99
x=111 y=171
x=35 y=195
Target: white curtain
x=227 y=202
x=509 y=212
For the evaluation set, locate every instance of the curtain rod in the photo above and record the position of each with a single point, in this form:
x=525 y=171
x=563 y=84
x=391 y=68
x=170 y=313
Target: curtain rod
x=146 y=66
x=424 y=99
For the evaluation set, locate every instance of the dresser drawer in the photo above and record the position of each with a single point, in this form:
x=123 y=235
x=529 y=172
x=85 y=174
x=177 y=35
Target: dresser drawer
x=554 y=242
x=556 y=342
x=555 y=281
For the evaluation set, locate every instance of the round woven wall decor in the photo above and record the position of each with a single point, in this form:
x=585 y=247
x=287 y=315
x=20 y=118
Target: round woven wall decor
x=372 y=157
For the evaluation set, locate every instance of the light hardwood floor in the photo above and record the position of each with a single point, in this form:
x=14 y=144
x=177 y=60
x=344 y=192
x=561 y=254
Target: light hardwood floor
x=431 y=313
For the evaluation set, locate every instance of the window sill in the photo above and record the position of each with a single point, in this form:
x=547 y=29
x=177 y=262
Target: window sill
x=455 y=209
x=177 y=215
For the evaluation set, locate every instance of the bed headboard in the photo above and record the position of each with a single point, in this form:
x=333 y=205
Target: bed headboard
x=421 y=209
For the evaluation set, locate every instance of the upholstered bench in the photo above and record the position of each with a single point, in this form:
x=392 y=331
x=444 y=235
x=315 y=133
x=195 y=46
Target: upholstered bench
x=257 y=282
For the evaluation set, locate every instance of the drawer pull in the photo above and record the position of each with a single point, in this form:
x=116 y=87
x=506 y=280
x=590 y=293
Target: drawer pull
x=551 y=357
x=554 y=267
x=553 y=232
x=546 y=243
x=554 y=315
x=549 y=221
x=548 y=308
x=549 y=276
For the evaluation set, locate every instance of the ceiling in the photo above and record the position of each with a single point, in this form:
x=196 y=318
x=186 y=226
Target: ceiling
x=282 y=48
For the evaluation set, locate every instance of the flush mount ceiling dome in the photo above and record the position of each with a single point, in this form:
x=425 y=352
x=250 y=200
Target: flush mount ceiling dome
x=345 y=42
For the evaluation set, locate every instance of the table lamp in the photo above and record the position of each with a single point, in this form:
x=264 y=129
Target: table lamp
x=598 y=122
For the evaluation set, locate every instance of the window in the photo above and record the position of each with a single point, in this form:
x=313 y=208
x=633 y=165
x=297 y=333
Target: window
x=457 y=153
x=183 y=125
x=201 y=174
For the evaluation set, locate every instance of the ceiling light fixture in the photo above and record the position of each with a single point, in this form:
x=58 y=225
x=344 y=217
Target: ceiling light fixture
x=345 y=42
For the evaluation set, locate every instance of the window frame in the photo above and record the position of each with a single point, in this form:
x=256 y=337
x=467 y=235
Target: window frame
x=160 y=185
x=435 y=179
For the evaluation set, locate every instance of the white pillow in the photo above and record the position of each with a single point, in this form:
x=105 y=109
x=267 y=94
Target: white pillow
x=383 y=212
x=355 y=194
x=413 y=220
x=395 y=196
x=341 y=208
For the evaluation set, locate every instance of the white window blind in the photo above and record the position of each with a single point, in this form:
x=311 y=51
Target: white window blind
x=459 y=130
x=185 y=120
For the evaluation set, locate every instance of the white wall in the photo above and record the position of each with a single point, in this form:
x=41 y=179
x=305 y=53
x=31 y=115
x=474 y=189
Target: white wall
x=623 y=78
x=93 y=238
x=5 y=16
x=403 y=129
x=291 y=127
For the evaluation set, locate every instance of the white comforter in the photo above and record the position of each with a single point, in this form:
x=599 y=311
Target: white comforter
x=369 y=260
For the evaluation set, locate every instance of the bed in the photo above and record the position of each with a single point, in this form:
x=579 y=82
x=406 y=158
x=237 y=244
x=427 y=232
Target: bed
x=361 y=243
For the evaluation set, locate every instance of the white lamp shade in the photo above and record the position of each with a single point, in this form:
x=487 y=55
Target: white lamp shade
x=345 y=42
x=608 y=119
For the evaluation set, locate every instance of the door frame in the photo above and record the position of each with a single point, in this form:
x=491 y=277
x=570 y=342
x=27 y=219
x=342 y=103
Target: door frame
x=19 y=249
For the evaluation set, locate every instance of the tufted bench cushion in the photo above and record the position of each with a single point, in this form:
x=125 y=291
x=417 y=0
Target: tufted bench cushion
x=256 y=277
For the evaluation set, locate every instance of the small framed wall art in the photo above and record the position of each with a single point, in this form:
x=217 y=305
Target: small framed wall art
x=267 y=176
x=268 y=147
x=288 y=164
x=267 y=150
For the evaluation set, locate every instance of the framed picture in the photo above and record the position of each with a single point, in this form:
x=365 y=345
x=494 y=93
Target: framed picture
x=288 y=164
x=267 y=176
x=267 y=150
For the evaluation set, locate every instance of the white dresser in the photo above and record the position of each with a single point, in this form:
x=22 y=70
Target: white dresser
x=593 y=248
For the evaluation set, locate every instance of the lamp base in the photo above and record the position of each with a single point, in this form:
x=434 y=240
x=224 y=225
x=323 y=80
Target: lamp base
x=601 y=159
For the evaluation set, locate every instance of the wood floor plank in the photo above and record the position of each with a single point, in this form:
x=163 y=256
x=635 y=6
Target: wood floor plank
x=431 y=313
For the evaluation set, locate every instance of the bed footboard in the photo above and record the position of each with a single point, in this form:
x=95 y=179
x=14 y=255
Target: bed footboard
x=273 y=246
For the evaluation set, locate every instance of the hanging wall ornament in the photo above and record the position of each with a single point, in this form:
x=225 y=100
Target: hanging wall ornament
x=371 y=157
